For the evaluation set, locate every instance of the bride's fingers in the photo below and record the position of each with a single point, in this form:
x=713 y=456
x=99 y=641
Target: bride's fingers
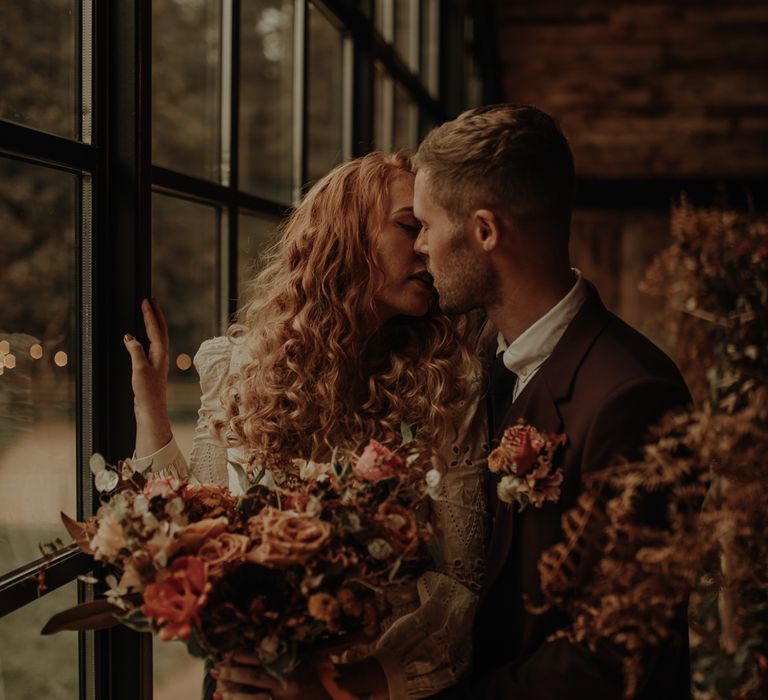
x=160 y=316
x=136 y=351
x=242 y=657
x=248 y=676
x=231 y=691
x=156 y=331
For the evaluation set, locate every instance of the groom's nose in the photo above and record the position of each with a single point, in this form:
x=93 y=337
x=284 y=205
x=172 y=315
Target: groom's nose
x=420 y=244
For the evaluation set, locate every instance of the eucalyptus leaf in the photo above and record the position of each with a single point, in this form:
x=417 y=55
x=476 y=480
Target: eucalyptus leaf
x=194 y=647
x=97 y=463
x=242 y=476
x=136 y=620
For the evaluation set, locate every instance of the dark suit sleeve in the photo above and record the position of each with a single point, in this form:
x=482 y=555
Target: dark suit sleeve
x=561 y=669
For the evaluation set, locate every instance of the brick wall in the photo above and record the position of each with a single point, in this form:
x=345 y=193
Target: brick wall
x=643 y=89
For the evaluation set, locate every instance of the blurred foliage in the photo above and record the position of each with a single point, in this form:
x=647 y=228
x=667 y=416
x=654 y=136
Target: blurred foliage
x=38 y=71
x=714 y=278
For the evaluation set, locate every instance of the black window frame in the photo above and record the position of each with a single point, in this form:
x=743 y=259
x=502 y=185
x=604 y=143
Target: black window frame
x=114 y=256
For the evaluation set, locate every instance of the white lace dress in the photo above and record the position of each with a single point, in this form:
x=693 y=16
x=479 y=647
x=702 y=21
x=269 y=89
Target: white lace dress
x=426 y=645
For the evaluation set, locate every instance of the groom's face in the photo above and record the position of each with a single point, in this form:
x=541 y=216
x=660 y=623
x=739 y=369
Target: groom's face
x=462 y=276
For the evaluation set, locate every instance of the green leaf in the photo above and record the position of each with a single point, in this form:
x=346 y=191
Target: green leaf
x=242 y=476
x=137 y=621
x=284 y=664
x=194 y=647
x=407 y=433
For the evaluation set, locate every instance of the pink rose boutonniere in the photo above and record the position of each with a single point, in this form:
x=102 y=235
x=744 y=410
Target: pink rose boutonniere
x=524 y=461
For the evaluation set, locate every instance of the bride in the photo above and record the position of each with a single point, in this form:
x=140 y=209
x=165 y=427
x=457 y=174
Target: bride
x=342 y=342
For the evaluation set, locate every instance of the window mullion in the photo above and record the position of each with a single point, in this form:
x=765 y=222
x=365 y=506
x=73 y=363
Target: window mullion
x=122 y=253
x=300 y=101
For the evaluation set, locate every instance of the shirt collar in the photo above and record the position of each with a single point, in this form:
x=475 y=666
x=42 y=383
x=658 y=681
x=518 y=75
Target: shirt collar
x=528 y=352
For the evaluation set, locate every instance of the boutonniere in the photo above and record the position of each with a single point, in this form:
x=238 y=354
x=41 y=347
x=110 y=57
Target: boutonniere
x=524 y=461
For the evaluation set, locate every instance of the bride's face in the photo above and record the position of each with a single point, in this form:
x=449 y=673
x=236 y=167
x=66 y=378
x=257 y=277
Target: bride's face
x=406 y=287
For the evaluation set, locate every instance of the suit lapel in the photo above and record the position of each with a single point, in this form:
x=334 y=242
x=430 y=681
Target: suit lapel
x=538 y=406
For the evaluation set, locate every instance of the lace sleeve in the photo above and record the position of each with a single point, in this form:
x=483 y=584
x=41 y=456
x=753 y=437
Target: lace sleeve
x=208 y=458
x=429 y=645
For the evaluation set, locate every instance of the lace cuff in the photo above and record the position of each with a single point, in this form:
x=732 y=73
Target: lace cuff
x=427 y=650
x=164 y=463
x=209 y=463
x=393 y=670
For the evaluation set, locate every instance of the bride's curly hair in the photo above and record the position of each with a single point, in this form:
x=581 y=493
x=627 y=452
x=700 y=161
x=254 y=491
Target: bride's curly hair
x=308 y=333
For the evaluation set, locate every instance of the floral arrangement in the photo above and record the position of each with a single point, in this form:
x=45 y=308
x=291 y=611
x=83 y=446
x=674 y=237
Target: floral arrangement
x=709 y=466
x=274 y=572
x=524 y=461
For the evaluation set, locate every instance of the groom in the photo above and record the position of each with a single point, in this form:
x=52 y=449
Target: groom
x=494 y=192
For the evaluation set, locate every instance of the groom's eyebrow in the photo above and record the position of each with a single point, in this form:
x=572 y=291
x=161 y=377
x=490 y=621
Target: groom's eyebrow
x=402 y=209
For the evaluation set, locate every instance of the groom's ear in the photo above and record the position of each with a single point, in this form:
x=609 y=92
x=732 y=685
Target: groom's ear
x=486 y=228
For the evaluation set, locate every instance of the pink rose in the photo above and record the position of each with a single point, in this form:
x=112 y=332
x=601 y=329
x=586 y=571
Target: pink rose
x=287 y=537
x=193 y=535
x=377 y=463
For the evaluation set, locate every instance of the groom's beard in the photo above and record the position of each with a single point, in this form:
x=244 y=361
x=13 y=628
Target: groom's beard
x=466 y=281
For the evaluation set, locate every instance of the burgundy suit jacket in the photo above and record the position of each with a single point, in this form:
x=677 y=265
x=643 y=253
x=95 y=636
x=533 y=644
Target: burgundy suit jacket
x=603 y=386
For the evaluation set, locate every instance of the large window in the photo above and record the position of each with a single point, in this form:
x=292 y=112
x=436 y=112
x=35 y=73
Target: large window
x=152 y=149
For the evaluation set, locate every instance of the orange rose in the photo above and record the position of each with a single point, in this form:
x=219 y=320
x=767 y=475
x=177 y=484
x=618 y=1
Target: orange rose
x=227 y=547
x=193 y=535
x=287 y=537
x=175 y=601
x=399 y=527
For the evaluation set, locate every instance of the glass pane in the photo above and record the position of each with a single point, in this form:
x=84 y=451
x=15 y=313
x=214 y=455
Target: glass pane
x=474 y=83
x=404 y=27
x=324 y=137
x=429 y=30
x=405 y=120
x=186 y=86
x=186 y=261
x=382 y=109
x=266 y=98
x=383 y=19
x=175 y=674
x=33 y=666
x=186 y=282
x=256 y=234
x=38 y=357
x=38 y=69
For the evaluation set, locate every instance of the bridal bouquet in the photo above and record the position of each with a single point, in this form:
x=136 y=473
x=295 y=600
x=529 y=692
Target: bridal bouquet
x=274 y=572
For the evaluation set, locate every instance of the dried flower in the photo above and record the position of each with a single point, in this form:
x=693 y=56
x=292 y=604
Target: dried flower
x=109 y=538
x=380 y=549
x=399 y=527
x=324 y=607
x=203 y=501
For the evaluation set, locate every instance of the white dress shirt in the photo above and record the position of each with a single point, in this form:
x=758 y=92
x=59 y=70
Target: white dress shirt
x=528 y=352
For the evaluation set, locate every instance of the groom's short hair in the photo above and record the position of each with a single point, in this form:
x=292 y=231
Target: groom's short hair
x=509 y=156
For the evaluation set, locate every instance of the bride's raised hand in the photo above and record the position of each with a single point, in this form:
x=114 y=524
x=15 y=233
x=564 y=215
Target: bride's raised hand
x=149 y=379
